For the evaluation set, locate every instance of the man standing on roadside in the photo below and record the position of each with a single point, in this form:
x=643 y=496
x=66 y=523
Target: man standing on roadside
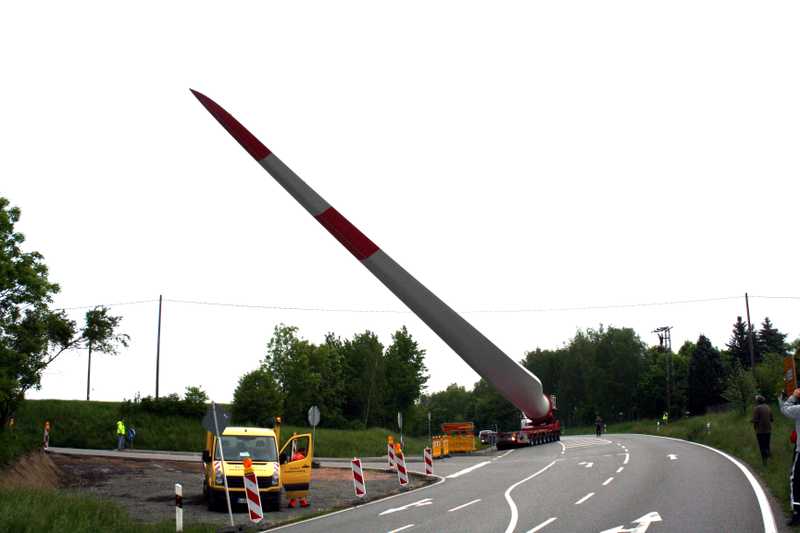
x=790 y=408
x=762 y=423
x=120 y=434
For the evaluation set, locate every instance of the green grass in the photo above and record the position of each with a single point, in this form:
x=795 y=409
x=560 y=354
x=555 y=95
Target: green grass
x=81 y=424
x=730 y=432
x=43 y=511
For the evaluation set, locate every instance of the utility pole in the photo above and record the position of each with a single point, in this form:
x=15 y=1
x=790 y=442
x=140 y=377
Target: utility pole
x=158 y=343
x=665 y=345
x=750 y=334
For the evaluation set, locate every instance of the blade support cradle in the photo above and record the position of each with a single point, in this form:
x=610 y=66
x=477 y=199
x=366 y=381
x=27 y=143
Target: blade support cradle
x=512 y=380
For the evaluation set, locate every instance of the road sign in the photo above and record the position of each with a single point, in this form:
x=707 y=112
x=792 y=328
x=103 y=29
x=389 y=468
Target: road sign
x=400 y=420
x=223 y=418
x=313 y=416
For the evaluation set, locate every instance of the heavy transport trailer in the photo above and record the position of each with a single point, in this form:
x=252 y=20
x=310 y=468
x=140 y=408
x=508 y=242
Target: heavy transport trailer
x=532 y=432
x=513 y=381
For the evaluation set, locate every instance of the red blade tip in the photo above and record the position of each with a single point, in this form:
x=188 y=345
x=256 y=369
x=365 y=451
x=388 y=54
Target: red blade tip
x=248 y=141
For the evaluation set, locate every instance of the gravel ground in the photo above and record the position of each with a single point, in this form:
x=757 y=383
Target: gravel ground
x=146 y=488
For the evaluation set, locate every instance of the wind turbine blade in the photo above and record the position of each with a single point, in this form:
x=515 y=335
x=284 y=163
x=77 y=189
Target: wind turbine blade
x=512 y=380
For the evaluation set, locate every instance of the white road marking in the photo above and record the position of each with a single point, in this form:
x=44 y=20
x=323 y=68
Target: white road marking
x=468 y=470
x=766 y=511
x=420 y=503
x=643 y=523
x=512 y=524
x=348 y=509
x=627 y=458
x=543 y=524
x=401 y=528
x=583 y=442
x=563 y=448
x=508 y=452
x=672 y=457
x=584 y=498
x=620 y=469
x=609 y=480
x=463 y=505
x=585 y=464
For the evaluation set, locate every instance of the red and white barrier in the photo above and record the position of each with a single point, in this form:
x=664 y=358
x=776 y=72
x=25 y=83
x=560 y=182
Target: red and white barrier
x=178 y=507
x=391 y=456
x=251 y=492
x=402 y=473
x=359 y=484
x=428 y=462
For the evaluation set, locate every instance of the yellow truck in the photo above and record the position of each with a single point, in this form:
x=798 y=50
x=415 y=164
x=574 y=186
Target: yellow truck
x=289 y=469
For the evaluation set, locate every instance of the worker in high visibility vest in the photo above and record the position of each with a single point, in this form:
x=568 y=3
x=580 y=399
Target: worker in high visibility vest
x=298 y=455
x=120 y=434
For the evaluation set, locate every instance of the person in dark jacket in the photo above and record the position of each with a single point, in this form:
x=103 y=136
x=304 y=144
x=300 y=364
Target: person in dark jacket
x=762 y=424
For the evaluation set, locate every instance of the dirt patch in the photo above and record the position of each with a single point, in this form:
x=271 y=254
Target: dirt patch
x=145 y=488
x=35 y=470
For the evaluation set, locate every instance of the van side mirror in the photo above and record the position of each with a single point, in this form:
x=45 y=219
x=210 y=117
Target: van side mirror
x=206 y=456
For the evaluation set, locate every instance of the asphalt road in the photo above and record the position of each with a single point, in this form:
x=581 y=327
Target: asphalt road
x=579 y=484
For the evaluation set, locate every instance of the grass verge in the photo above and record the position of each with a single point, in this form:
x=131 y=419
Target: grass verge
x=730 y=432
x=46 y=511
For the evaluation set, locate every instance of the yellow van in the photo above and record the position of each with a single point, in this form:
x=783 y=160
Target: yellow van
x=289 y=470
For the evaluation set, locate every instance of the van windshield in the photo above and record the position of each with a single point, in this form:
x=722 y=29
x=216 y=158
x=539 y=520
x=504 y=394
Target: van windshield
x=238 y=448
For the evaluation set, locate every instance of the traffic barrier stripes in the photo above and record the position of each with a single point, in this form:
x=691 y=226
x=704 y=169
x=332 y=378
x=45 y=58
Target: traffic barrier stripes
x=391 y=456
x=178 y=507
x=428 y=462
x=402 y=473
x=251 y=492
x=359 y=484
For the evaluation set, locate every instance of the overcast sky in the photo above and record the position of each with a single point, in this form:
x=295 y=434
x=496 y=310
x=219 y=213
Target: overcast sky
x=510 y=155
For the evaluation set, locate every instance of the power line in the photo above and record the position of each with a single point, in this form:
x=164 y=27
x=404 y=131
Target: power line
x=399 y=311
x=525 y=310
x=104 y=305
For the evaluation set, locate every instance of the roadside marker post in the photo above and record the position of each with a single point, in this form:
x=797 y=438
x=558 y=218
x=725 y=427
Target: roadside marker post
x=178 y=507
x=359 y=483
x=428 y=462
x=402 y=473
x=251 y=492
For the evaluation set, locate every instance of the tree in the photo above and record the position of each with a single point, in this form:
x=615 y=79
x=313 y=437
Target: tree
x=706 y=376
x=99 y=335
x=739 y=343
x=405 y=376
x=364 y=380
x=739 y=387
x=257 y=399
x=770 y=340
x=769 y=375
x=195 y=397
x=31 y=334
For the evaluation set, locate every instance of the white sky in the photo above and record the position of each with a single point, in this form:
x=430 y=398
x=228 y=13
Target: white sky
x=511 y=155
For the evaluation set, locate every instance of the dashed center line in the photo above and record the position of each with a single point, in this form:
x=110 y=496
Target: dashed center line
x=609 y=480
x=627 y=458
x=620 y=469
x=584 y=498
x=463 y=505
x=401 y=528
x=543 y=524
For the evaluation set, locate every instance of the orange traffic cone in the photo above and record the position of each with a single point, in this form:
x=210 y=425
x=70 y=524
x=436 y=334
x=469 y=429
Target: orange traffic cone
x=303 y=502
x=292 y=503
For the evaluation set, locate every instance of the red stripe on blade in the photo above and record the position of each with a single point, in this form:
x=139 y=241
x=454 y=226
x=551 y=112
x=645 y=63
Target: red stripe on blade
x=248 y=141
x=351 y=238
